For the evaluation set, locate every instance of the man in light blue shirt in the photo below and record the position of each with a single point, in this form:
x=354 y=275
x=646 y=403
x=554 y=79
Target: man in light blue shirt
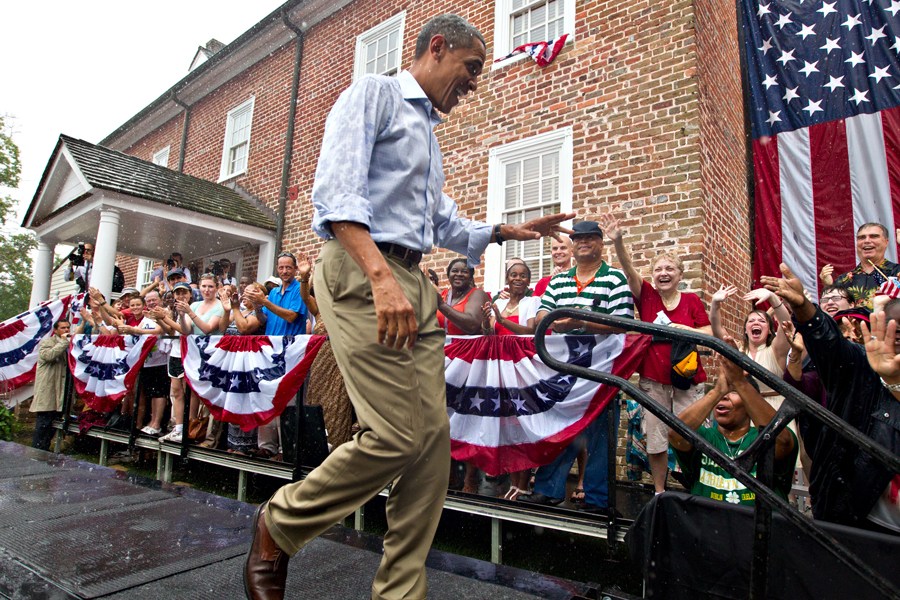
x=378 y=200
x=284 y=308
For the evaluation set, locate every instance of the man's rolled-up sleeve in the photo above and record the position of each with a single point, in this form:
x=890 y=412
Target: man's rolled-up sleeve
x=469 y=238
x=340 y=192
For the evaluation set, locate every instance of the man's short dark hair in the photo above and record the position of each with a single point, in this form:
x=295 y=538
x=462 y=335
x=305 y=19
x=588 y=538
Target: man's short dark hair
x=883 y=229
x=840 y=289
x=457 y=31
x=60 y=322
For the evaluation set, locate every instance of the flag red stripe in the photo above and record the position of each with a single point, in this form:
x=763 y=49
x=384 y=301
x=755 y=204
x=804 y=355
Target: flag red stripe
x=890 y=124
x=15 y=383
x=832 y=197
x=8 y=330
x=767 y=213
x=505 y=347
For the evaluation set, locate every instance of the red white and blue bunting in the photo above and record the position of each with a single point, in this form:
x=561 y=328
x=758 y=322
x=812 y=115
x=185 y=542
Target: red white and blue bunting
x=104 y=367
x=19 y=340
x=510 y=412
x=247 y=380
x=543 y=53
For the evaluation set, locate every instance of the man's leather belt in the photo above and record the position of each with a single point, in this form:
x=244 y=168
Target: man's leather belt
x=401 y=253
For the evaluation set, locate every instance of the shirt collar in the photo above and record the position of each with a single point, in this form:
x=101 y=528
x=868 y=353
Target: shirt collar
x=412 y=91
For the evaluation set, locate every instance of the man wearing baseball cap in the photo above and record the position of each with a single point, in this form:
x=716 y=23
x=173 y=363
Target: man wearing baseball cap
x=595 y=286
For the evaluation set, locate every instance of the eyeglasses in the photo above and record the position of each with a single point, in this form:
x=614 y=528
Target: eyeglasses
x=832 y=298
x=286 y=255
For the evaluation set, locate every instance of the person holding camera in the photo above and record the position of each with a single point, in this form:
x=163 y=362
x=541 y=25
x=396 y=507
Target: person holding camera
x=81 y=262
x=175 y=262
x=226 y=276
x=81 y=266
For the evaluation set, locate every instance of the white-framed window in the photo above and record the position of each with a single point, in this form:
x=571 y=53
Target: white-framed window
x=518 y=22
x=378 y=49
x=527 y=179
x=161 y=158
x=237 y=140
x=144 y=270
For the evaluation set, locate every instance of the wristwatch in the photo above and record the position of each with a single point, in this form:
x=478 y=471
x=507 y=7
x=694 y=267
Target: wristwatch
x=498 y=238
x=892 y=387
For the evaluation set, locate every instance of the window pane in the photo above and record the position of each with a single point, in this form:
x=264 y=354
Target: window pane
x=550 y=164
x=519 y=24
x=531 y=168
x=531 y=193
x=238 y=158
x=392 y=61
x=531 y=248
x=513 y=171
x=512 y=197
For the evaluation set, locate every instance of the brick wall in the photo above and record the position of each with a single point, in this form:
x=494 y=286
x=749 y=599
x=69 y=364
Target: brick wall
x=129 y=266
x=726 y=241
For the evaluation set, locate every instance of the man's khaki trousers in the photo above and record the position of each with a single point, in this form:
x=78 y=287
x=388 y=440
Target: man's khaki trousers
x=400 y=402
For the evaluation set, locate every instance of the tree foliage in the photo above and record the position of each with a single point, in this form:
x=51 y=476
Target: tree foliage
x=15 y=244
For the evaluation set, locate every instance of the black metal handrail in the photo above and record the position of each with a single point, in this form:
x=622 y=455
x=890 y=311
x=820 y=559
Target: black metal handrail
x=795 y=402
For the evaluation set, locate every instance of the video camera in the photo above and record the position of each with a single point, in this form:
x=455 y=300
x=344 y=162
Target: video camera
x=76 y=256
x=216 y=268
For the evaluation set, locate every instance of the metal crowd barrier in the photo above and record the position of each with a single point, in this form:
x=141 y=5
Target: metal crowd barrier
x=761 y=451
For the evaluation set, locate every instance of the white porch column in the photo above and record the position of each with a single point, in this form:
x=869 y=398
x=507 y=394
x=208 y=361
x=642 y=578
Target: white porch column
x=105 y=251
x=40 y=274
x=266 y=265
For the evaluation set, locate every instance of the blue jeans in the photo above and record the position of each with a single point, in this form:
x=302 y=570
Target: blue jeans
x=550 y=480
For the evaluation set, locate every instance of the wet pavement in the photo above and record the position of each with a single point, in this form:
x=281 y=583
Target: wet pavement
x=71 y=529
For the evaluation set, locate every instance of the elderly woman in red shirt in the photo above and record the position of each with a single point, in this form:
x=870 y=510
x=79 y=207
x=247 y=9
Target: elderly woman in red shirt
x=664 y=304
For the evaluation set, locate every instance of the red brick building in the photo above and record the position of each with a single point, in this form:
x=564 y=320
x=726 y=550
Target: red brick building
x=640 y=115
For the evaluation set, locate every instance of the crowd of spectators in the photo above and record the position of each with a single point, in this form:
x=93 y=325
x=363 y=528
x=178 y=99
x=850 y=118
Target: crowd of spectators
x=839 y=351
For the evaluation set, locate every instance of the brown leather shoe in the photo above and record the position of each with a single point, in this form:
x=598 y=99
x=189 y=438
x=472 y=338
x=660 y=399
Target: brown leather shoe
x=265 y=571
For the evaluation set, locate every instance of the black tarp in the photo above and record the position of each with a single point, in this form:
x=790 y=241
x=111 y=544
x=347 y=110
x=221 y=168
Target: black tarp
x=692 y=547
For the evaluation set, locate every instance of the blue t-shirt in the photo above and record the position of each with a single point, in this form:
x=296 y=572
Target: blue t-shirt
x=290 y=300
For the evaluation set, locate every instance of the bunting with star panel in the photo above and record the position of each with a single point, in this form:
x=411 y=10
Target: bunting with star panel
x=510 y=412
x=824 y=87
x=19 y=340
x=105 y=367
x=247 y=380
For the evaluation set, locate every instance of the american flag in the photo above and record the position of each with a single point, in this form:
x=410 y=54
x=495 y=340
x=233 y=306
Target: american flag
x=824 y=79
x=891 y=288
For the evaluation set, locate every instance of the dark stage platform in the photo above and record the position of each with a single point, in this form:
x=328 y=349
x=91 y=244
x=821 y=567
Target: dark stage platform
x=70 y=529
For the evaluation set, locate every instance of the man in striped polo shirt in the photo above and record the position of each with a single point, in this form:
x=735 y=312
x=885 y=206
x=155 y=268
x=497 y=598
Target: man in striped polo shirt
x=592 y=285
